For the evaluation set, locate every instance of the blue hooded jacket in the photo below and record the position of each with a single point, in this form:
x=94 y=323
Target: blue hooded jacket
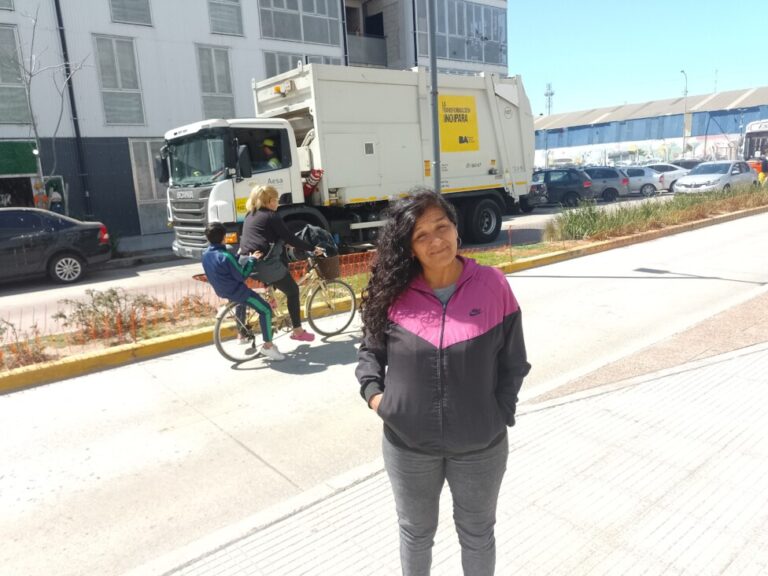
x=225 y=275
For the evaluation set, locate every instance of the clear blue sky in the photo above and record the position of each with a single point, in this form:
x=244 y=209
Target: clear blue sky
x=600 y=53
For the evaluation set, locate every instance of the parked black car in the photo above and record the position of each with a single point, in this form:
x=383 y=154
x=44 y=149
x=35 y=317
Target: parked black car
x=567 y=186
x=34 y=242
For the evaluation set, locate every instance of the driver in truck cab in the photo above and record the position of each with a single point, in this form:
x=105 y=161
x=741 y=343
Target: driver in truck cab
x=268 y=149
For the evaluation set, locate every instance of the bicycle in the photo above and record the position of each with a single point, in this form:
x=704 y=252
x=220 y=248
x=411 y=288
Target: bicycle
x=329 y=306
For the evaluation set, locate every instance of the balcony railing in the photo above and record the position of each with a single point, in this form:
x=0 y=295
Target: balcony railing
x=367 y=50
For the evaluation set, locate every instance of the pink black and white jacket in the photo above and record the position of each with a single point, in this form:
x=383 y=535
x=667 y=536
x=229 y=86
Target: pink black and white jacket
x=450 y=374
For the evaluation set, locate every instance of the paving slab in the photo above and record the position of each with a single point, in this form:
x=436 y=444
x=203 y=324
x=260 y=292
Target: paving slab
x=660 y=474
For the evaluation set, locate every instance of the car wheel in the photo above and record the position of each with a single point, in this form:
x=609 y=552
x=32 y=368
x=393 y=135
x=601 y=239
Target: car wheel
x=727 y=188
x=525 y=207
x=672 y=187
x=484 y=222
x=648 y=190
x=610 y=195
x=571 y=199
x=66 y=268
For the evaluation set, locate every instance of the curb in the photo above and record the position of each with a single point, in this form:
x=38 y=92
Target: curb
x=35 y=375
x=137 y=259
x=38 y=374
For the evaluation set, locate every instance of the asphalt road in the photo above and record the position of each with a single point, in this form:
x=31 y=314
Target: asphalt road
x=112 y=470
x=33 y=302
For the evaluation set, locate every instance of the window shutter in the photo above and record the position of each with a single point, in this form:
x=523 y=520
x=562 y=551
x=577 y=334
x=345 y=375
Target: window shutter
x=131 y=11
x=119 y=75
x=226 y=17
x=6 y=4
x=218 y=106
x=123 y=108
x=13 y=94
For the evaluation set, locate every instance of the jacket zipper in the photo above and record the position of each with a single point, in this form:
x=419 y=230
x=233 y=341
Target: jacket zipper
x=440 y=367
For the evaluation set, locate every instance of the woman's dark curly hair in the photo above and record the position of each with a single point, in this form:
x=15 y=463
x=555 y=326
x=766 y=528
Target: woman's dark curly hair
x=394 y=266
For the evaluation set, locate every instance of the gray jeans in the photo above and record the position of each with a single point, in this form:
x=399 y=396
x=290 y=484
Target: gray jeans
x=474 y=480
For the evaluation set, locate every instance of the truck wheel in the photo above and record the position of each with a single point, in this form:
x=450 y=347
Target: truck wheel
x=484 y=222
x=294 y=227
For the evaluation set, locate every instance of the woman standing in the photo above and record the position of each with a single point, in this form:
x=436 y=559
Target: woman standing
x=442 y=361
x=264 y=229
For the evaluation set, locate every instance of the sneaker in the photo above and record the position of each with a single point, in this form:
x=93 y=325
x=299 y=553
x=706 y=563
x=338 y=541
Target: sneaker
x=304 y=336
x=272 y=353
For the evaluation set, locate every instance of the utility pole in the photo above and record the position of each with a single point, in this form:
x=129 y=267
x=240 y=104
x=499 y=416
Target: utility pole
x=437 y=166
x=685 y=106
x=548 y=95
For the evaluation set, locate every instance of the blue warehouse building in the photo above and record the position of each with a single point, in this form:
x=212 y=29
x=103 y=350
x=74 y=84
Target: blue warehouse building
x=709 y=126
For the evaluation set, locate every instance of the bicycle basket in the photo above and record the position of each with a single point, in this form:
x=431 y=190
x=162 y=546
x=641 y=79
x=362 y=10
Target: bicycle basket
x=329 y=267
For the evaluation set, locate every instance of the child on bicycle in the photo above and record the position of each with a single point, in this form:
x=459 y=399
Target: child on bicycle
x=227 y=278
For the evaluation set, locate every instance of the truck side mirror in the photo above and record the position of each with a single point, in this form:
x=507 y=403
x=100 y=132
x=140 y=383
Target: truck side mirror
x=161 y=166
x=162 y=170
x=244 y=162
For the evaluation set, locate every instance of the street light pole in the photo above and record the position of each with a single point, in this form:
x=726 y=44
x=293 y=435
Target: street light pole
x=685 y=106
x=437 y=166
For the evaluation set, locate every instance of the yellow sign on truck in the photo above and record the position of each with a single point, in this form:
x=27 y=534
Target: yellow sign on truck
x=458 y=124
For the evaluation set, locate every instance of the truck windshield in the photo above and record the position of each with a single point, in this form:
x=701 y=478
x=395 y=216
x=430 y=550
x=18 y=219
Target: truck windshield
x=198 y=159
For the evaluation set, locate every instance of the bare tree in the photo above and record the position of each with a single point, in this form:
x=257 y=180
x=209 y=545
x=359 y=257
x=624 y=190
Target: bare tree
x=31 y=67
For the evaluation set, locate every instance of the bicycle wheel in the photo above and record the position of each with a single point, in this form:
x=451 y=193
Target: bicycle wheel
x=229 y=328
x=331 y=307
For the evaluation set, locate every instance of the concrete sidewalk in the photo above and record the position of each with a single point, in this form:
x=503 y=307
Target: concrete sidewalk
x=660 y=474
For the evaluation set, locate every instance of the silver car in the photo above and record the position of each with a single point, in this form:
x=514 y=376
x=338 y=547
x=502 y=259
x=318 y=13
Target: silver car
x=709 y=176
x=669 y=174
x=642 y=180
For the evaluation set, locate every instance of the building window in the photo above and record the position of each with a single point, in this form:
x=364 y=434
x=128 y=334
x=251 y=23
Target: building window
x=312 y=21
x=119 y=77
x=13 y=94
x=279 y=62
x=465 y=31
x=6 y=4
x=145 y=181
x=226 y=17
x=215 y=82
x=131 y=11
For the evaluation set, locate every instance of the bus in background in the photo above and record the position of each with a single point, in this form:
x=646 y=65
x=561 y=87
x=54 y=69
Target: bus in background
x=755 y=147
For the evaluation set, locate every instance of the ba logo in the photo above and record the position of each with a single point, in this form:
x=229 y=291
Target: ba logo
x=475 y=312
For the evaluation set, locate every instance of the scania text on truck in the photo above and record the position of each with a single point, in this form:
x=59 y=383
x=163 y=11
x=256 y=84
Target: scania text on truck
x=338 y=143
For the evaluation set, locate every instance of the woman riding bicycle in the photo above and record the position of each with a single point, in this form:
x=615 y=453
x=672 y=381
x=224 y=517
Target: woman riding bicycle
x=264 y=227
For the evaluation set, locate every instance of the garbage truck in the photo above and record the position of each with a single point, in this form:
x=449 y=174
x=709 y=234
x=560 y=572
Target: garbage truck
x=339 y=143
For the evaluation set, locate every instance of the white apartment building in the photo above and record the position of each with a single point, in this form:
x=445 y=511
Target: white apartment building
x=141 y=67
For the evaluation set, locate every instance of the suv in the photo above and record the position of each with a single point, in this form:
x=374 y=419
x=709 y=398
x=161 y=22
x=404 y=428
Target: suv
x=608 y=183
x=567 y=186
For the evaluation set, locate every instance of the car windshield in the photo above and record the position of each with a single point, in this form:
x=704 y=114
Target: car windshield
x=710 y=169
x=198 y=159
